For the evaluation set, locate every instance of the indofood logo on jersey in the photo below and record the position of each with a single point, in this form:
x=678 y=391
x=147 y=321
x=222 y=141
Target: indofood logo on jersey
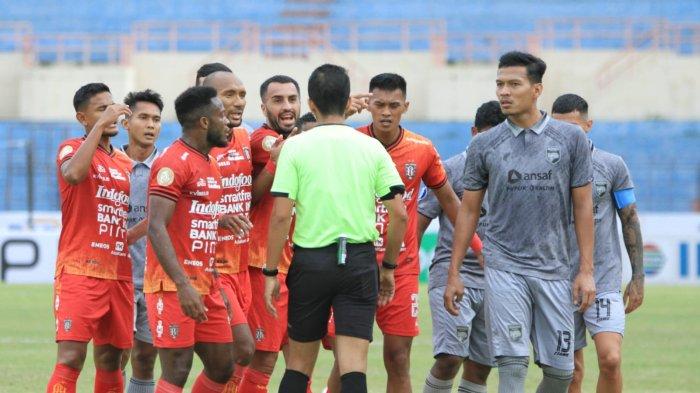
x=210 y=209
x=237 y=181
x=119 y=198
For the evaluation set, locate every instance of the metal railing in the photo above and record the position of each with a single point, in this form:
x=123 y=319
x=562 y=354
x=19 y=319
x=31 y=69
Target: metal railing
x=300 y=40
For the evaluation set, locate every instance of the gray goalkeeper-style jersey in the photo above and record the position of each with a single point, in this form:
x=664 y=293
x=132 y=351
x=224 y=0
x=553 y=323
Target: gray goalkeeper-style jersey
x=471 y=272
x=610 y=176
x=529 y=175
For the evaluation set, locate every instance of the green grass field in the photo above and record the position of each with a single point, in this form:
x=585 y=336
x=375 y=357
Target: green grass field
x=660 y=349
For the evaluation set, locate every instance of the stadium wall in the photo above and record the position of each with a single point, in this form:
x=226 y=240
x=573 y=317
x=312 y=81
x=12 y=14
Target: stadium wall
x=671 y=248
x=619 y=85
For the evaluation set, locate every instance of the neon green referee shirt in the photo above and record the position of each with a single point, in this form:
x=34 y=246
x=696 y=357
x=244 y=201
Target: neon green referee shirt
x=334 y=175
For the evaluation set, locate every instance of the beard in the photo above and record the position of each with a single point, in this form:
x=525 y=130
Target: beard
x=216 y=138
x=275 y=125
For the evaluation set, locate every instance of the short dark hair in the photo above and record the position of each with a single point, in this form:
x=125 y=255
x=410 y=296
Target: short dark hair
x=534 y=65
x=488 y=115
x=193 y=104
x=308 y=117
x=388 y=82
x=147 y=95
x=209 y=69
x=568 y=103
x=277 y=79
x=86 y=92
x=329 y=89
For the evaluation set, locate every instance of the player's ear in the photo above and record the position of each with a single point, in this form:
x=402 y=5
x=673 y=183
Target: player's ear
x=474 y=131
x=82 y=119
x=589 y=124
x=125 y=123
x=312 y=108
x=405 y=106
x=204 y=122
x=538 y=88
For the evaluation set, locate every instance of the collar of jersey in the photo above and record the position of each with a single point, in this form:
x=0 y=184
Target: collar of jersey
x=205 y=156
x=392 y=144
x=537 y=128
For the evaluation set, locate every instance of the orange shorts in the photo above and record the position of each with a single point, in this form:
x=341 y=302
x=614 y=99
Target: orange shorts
x=400 y=317
x=270 y=333
x=88 y=308
x=230 y=283
x=171 y=328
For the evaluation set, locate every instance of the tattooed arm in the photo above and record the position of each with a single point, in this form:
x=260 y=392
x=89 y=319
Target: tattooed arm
x=632 y=235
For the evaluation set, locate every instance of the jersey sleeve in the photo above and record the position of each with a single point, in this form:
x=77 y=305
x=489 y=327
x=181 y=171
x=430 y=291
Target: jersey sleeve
x=66 y=151
x=387 y=181
x=581 y=166
x=259 y=155
x=435 y=176
x=428 y=204
x=476 y=175
x=286 y=183
x=168 y=178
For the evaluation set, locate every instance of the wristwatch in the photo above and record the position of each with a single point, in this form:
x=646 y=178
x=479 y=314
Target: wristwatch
x=269 y=273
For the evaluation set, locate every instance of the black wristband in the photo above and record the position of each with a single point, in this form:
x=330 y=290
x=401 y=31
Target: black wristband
x=269 y=273
x=389 y=265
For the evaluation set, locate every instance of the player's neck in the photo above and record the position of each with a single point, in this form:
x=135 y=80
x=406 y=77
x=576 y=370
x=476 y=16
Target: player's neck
x=387 y=138
x=330 y=119
x=105 y=144
x=201 y=146
x=139 y=152
x=527 y=119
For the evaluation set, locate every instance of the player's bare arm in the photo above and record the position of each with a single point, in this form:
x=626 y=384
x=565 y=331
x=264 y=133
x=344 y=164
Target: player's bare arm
x=632 y=236
x=450 y=205
x=422 y=226
x=160 y=211
x=136 y=232
x=280 y=220
x=465 y=228
x=398 y=222
x=75 y=169
x=584 y=283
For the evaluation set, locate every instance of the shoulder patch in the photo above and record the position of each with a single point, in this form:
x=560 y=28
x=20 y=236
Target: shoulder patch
x=165 y=177
x=65 y=151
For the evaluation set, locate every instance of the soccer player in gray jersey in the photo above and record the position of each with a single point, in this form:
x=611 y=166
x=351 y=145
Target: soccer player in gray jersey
x=613 y=195
x=143 y=128
x=458 y=340
x=537 y=171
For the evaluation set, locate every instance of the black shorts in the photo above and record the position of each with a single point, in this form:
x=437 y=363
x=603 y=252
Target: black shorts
x=316 y=283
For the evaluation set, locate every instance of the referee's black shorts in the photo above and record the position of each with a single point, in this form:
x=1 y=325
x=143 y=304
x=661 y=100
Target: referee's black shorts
x=316 y=282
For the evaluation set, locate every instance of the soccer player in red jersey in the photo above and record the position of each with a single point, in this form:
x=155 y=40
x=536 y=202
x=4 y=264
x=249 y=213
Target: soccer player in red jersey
x=186 y=308
x=232 y=250
x=93 y=291
x=417 y=160
x=281 y=106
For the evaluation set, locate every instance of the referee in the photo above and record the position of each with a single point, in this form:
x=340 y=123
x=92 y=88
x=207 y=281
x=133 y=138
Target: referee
x=332 y=175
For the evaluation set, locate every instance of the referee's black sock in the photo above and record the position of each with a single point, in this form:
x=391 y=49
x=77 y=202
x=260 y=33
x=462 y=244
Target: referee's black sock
x=294 y=382
x=354 y=382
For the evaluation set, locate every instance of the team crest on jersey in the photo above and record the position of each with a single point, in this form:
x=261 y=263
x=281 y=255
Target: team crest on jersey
x=101 y=169
x=174 y=330
x=165 y=177
x=410 y=170
x=246 y=153
x=201 y=183
x=65 y=151
x=515 y=332
x=159 y=305
x=553 y=155
x=601 y=188
x=67 y=324
x=184 y=155
x=259 y=334
x=483 y=212
x=268 y=142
